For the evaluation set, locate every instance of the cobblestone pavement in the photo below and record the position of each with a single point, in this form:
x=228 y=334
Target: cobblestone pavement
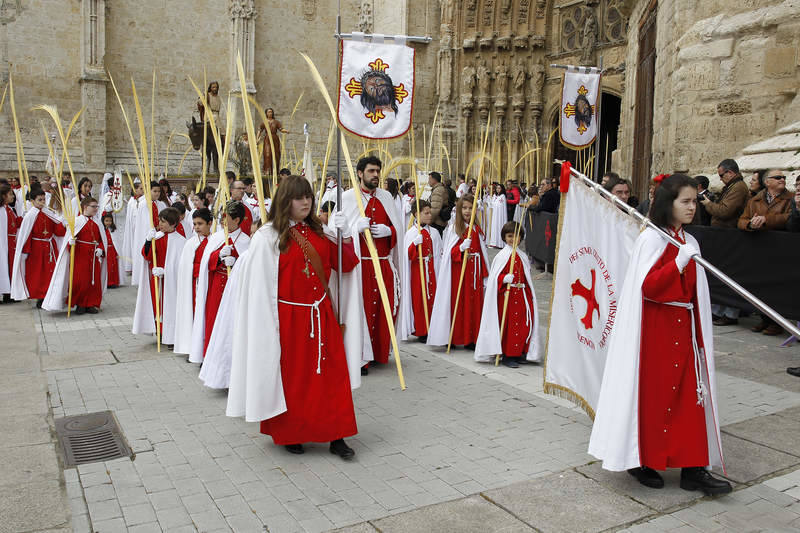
x=467 y=447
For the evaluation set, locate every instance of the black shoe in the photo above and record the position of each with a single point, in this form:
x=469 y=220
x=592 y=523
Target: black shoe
x=39 y=304
x=698 y=478
x=647 y=477
x=92 y=310
x=470 y=346
x=521 y=360
x=340 y=448
x=794 y=371
x=80 y=310
x=725 y=321
x=296 y=449
x=7 y=298
x=510 y=362
x=423 y=339
x=364 y=370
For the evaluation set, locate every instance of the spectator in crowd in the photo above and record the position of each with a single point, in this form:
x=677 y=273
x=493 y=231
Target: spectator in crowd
x=608 y=176
x=793 y=224
x=768 y=210
x=533 y=197
x=725 y=212
x=451 y=193
x=644 y=207
x=513 y=197
x=438 y=200
x=550 y=198
x=619 y=187
x=463 y=187
x=701 y=216
x=757 y=181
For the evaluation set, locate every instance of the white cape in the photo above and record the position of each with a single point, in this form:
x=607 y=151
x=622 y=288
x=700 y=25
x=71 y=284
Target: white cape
x=256 y=386
x=126 y=253
x=5 y=275
x=405 y=320
x=19 y=286
x=140 y=235
x=143 y=319
x=615 y=434
x=499 y=216
x=215 y=241
x=439 y=332
x=56 y=297
x=350 y=209
x=184 y=308
x=489 y=342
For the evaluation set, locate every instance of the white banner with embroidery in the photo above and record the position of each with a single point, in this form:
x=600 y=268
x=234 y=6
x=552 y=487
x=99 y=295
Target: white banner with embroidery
x=594 y=246
x=376 y=89
x=579 y=106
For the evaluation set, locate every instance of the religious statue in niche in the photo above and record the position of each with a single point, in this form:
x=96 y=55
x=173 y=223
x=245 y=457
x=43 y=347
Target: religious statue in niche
x=467 y=85
x=365 y=16
x=537 y=82
x=589 y=36
x=484 y=76
x=505 y=7
x=518 y=76
x=501 y=80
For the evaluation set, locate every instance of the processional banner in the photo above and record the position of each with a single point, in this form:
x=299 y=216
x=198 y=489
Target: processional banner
x=376 y=89
x=595 y=243
x=578 y=122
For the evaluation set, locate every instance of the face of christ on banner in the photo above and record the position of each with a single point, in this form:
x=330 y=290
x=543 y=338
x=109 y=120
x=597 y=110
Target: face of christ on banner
x=582 y=111
x=378 y=94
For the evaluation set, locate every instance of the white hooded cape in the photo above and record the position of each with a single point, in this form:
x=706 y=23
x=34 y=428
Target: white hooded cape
x=439 y=332
x=350 y=209
x=615 y=434
x=256 y=387
x=5 y=275
x=184 y=308
x=405 y=320
x=126 y=253
x=143 y=226
x=489 y=341
x=19 y=286
x=498 y=219
x=56 y=297
x=240 y=242
x=143 y=319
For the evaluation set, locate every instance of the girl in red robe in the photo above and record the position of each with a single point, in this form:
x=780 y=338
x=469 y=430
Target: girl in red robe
x=201 y=223
x=41 y=250
x=11 y=223
x=515 y=337
x=313 y=363
x=87 y=278
x=112 y=259
x=424 y=241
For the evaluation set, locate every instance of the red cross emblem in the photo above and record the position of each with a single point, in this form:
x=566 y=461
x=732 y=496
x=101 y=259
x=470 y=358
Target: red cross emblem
x=578 y=289
x=548 y=234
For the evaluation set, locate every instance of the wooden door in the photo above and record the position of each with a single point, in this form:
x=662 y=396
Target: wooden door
x=643 y=121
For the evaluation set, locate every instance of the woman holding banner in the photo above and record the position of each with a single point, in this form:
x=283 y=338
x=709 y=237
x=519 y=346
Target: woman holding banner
x=657 y=406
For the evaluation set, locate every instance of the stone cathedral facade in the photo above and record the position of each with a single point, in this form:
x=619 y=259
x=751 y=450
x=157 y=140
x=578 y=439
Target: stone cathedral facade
x=686 y=84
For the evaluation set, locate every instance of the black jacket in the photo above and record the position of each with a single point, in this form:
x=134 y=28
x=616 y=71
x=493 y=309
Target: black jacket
x=793 y=224
x=549 y=202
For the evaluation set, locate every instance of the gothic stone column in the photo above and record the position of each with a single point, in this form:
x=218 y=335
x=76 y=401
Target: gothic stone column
x=93 y=84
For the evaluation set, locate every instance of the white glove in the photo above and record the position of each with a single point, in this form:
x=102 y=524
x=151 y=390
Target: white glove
x=338 y=221
x=362 y=224
x=407 y=208
x=159 y=234
x=151 y=234
x=380 y=230
x=158 y=272
x=98 y=252
x=72 y=242
x=418 y=239
x=229 y=260
x=685 y=253
x=226 y=251
x=465 y=245
x=508 y=279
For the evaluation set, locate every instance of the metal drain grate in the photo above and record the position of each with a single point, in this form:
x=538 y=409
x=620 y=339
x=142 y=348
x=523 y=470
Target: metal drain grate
x=91 y=438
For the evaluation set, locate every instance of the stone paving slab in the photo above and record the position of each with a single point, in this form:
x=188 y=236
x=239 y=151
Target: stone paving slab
x=747 y=461
x=779 y=431
x=468 y=515
x=567 y=502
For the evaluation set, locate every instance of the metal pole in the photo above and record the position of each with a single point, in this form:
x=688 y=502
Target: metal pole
x=408 y=38
x=738 y=289
x=339 y=178
x=599 y=105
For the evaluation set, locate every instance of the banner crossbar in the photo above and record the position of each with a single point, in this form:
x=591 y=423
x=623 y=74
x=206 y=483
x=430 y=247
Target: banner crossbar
x=371 y=36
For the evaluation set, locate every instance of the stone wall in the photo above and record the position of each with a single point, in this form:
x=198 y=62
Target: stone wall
x=727 y=76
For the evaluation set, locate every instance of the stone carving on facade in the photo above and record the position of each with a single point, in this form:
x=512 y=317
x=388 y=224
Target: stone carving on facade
x=243 y=14
x=522 y=14
x=501 y=85
x=444 y=84
x=589 y=40
x=448 y=10
x=365 y=20
x=518 y=79
x=541 y=6
x=469 y=15
x=484 y=76
x=488 y=13
x=504 y=43
x=309 y=9
x=468 y=76
x=537 y=76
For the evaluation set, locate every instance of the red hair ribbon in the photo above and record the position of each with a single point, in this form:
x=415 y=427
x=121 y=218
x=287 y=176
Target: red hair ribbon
x=566 y=166
x=658 y=179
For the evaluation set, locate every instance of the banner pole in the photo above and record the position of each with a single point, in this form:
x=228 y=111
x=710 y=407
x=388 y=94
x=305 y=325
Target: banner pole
x=599 y=105
x=339 y=177
x=724 y=278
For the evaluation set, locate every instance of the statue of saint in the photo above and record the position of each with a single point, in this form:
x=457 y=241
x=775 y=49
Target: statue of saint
x=501 y=79
x=484 y=76
x=589 y=36
x=265 y=132
x=447 y=11
x=518 y=76
x=467 y=80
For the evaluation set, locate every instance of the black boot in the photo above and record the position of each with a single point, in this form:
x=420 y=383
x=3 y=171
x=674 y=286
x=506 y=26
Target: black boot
x=365 y=370
x=422 y=338
x=647 y=477
x=80 y=310
x=510 y=362
x=698 y=478
x=340 y=448
x=794 y=371
x=296 y=449
x=39 y=303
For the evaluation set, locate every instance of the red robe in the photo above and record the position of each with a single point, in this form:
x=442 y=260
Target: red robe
x=180 y=230
x=417 y=298
x=13 y=225
x=377 y=325
x=672 y=427
x=319 y=405
x=517 y=327
x=198 y=256
x=161 y=254
x=217 y=280
x=470 y=304
x=42 y=254
x=247 y=221
x=112 y=263
x=87 y=288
